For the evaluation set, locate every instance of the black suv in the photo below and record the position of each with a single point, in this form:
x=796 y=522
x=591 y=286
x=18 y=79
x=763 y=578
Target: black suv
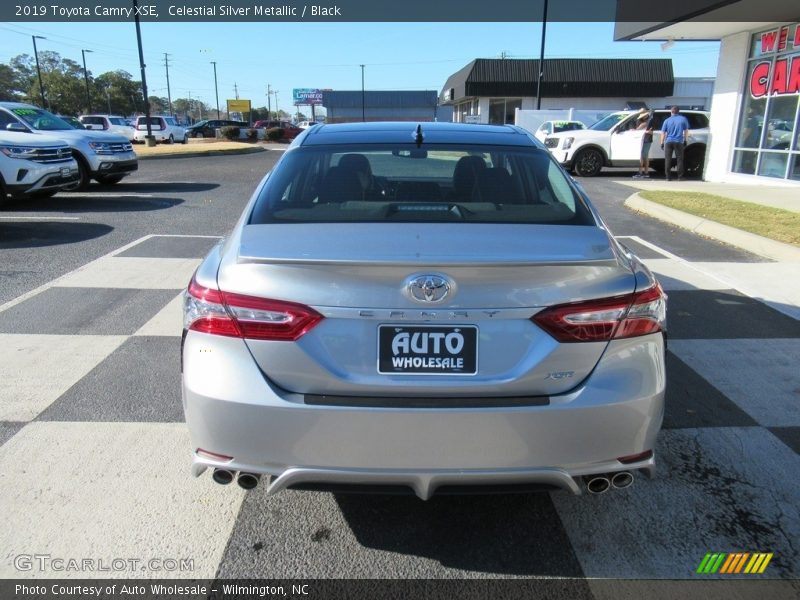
x=208 y=128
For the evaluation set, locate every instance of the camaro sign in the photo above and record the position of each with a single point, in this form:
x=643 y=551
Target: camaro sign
x=306 y=96
x=782 y=76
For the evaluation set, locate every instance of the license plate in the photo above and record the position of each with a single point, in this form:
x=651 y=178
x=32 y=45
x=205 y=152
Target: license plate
x=65 y=172
x=427 y=350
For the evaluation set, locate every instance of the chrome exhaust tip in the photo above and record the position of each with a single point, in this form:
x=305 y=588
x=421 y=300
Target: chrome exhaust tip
x=247 y=481
x=222 y=476
x=597 y=484
x=622 y=479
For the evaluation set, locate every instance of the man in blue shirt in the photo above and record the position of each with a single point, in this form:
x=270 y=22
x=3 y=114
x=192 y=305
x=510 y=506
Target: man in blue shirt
x=674 y=134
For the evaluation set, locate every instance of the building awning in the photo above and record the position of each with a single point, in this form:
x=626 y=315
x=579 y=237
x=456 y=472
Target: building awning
x=380 y=99
x=563 y=78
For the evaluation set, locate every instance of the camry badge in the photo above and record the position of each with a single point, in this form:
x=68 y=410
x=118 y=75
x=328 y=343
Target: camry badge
x=428 y=288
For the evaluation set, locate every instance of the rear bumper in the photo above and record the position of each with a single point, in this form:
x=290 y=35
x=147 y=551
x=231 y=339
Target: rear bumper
x=231 y=409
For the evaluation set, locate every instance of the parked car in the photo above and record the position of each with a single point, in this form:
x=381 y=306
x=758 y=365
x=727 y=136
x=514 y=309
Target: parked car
x=112 y=123
x=425 y=307
x=103 y=156
x=208 y=128
x=289 y=131
x=34 y=165
x=551 y=127
x=163 y=129
x=614 y=141
x=74 y=121
x=307 y=124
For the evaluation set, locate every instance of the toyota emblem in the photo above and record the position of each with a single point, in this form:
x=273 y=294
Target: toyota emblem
x=429 y=288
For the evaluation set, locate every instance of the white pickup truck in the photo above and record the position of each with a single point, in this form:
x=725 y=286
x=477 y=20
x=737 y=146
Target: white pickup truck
x=614 y=141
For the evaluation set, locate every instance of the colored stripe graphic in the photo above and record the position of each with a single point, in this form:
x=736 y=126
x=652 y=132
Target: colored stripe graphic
x=731 y=559
x=703 y=563
x=734 y=563
x=765 y=563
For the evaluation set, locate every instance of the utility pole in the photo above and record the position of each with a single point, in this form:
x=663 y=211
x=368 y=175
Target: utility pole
x=86 y=79
x=269 y=106
x=150 y=140
x=169 y=94
x=235 y=90
x=38 y=70
x=541 y=60
x=216 y=90
x=363 y=97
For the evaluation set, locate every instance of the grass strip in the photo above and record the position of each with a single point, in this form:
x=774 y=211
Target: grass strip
x=774 y=223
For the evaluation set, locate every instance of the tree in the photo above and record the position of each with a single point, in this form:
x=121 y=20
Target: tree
x=9 y=84
x=158 y=105
x=124 y=93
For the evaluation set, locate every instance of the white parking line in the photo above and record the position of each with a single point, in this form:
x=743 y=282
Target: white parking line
x=57 y=280
x=40 y=218
x=104 y=195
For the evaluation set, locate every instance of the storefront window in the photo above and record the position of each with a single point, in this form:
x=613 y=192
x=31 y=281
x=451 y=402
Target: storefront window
x=770 y=116
x=502 y=111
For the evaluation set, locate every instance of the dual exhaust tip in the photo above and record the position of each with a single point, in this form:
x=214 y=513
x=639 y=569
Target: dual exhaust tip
x=599 y=484
x=246 y=481
x=595 y=484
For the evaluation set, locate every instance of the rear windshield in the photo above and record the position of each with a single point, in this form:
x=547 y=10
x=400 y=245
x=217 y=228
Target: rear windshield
x=375 y=183
x=93 y=121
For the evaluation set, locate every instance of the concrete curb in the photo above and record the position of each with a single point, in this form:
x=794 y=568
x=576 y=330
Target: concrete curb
x=202 y=153
x=730 y=235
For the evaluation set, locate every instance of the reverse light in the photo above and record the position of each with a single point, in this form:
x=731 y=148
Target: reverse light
x=627 y=316
x=236 y=315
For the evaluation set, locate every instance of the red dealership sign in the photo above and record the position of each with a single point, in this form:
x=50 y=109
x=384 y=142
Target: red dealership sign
x=782 y=76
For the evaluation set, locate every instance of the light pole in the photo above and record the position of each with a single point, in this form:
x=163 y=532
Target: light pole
x=38 y=70
x=269 y=103
x=86 y=79
x=363 y=97
x=216 y=90
x=541 y=60
x=149 y=137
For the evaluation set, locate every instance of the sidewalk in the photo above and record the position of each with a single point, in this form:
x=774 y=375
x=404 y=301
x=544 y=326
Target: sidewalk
x=777 y=282
x=786 y=198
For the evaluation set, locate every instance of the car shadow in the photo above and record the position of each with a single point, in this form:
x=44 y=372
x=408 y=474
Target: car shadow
x=37 y=234
x=89 y=203
x=166 y=187
x=511 y=534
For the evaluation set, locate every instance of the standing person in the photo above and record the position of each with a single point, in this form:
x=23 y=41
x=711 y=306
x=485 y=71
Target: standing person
x=645 y=122
x=674 y=135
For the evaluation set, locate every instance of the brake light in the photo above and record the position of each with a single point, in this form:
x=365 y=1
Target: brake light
x=627 y=316
x=236 y=315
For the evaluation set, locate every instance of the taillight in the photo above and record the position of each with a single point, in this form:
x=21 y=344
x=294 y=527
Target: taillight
x=601 y=320
x=235 y=315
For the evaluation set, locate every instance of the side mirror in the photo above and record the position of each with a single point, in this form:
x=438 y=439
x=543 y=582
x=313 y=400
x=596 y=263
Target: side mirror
x=17 y=127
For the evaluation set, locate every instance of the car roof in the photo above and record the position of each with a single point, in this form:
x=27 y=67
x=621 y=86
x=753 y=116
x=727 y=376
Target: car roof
x=405 y=131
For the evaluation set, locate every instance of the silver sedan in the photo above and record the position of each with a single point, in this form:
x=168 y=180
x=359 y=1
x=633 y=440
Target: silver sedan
x=432 y=308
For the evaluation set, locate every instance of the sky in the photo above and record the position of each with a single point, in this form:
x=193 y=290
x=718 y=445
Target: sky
x=397 y=56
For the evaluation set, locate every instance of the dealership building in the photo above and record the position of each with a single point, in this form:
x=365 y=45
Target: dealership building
x=755 y=108
x=491 y=90
x=402 y=105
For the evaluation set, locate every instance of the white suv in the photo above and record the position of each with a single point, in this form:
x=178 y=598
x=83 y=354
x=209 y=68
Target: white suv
x=614 y=141
x=34 y=165
x=165 y=129
x=110 y=123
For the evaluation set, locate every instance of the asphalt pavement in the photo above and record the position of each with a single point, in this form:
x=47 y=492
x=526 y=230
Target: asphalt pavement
x=94 y=456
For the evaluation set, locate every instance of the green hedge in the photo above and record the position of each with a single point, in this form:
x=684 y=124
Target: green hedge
x=230 y=132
